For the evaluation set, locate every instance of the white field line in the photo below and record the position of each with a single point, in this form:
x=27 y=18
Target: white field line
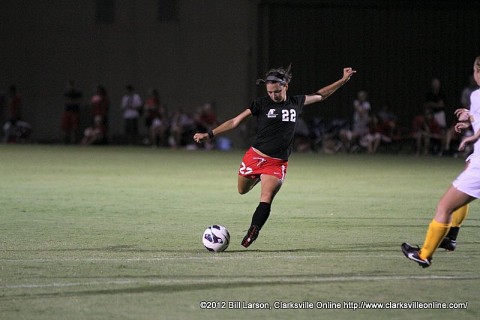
x=243 y=280
x=216 y=256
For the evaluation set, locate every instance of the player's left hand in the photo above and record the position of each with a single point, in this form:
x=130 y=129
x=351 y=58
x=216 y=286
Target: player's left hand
x=466 y=141
x=347 y=73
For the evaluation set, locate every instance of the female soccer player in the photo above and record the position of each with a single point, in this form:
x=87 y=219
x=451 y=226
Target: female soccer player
x=464 y=189
x=267 y=158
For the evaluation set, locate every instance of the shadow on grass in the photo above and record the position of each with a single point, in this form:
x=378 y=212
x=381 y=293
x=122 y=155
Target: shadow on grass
x=199 y=283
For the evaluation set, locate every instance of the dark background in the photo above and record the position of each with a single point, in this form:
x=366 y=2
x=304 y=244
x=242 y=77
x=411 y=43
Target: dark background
x=197 y=51
x=397 y=47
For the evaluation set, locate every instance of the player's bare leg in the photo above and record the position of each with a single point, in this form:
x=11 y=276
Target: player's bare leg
x=270 y=186
x=452 y=200
x=246 y=184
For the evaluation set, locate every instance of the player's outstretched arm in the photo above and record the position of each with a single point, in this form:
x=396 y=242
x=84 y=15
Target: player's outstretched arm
x=325 y=92
x=224 y=127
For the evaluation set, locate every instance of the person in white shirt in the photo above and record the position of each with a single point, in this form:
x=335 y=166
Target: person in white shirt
x=132 y=105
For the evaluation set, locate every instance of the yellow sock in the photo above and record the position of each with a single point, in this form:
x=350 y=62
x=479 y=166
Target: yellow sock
x=459 y=215
x=435 y=234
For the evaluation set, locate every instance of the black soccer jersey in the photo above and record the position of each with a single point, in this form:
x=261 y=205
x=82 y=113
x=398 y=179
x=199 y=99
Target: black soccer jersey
x=276 y=125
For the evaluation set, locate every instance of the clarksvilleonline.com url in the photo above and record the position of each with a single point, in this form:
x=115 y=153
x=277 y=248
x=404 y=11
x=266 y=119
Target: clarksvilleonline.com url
x=329 y=305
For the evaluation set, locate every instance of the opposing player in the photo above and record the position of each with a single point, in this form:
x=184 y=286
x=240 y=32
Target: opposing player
x=267 y=159
x=464 y=189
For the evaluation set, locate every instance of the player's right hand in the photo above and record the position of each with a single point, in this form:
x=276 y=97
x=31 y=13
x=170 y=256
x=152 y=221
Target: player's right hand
x=460 y=126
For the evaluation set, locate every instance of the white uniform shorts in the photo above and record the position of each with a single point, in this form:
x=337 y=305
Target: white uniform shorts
x=469 y=180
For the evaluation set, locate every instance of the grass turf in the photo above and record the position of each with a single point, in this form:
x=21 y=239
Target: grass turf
x=115 y=233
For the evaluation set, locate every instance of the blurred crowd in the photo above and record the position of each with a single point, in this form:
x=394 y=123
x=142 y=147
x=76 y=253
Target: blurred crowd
x=367 y=130
x=146 y=120
x=427 y=133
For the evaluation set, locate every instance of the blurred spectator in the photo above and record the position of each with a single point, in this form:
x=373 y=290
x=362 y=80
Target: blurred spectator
x=156 y=120
x=3 y=107
x=181 y=128
x=71 y=113
x=100 y=108
x=15 y=129
x=387 y=117
x=302 y=138
x=425 y=130
x=380 y=130
x=327 y=134
x=95 y=134
x=206 y=119
x=361 y=119
x=3 y=100
x=435 y=101
x=132 y=105
x=14 y=106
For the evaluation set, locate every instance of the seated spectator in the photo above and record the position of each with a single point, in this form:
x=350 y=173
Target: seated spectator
x=181 y=127
x=15 y=128
x=151 y=112
x=328 y=134
x=206 y=119
x=17 y=131
x=302 y=136
x=100 y=104
x=379 y=131
x=158 y=130
x=95 y=134
x=435 y=101
x=425 y=130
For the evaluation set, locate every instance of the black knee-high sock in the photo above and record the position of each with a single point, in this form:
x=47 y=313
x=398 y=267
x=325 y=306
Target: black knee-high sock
x=261 y=214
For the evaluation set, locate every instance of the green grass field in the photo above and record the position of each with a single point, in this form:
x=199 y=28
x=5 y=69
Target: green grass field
x=115 y=233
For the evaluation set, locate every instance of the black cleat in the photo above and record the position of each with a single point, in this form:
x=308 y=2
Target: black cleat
x=251 y=235
x=412 y=254
x=448 y=244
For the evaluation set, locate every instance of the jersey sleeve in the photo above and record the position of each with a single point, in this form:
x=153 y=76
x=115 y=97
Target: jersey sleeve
x=299 y=101
x=255 y=107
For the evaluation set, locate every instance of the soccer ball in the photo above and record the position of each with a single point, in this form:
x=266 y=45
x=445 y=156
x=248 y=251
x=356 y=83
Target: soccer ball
x=216 y=238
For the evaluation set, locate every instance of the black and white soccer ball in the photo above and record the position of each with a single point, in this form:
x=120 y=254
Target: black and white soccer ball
x=216 y=238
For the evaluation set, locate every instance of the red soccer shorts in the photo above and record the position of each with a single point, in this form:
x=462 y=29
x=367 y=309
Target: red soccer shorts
x=253 y=165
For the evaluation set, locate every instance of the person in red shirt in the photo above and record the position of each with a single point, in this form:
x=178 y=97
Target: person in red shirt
x=100 y=107
x=425 y=129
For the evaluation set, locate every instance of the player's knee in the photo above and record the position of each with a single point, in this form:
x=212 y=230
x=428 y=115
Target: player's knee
x=267 y=196
x=443 y=212
x=243 y=190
